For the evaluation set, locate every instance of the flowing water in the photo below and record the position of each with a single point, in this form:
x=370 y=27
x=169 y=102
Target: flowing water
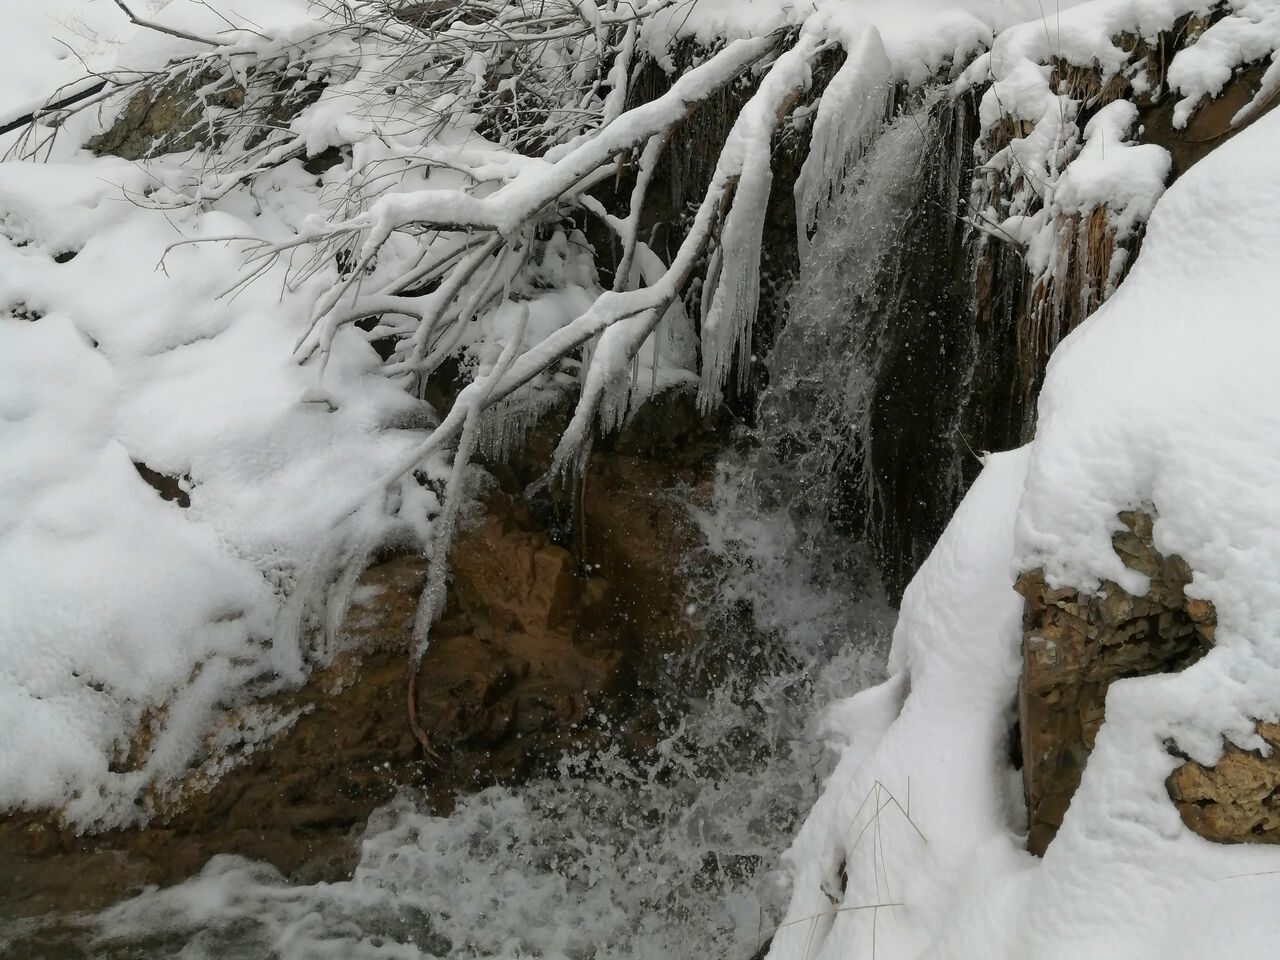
x=673 y=855
x=678 y=854
x=872 y=373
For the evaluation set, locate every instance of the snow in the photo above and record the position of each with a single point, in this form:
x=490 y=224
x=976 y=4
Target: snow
x=1125 y=177
x=51 y=44
x=1250 y=32
x=1166 y=399
x=510 y=208
x=130 y=351
x=1108 y=171
x=917 y=800
x=134 y=351
x=1085 y=34
x=47 y=45
x=920 y=37
x=116 y=600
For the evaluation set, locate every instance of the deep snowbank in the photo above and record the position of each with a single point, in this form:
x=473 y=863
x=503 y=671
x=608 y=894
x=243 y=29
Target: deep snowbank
x=116 y=600
x=1167 y=399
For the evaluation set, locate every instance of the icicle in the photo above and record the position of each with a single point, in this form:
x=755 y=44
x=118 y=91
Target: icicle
x=852 y=110
x=727 y=326
x=606 y=387
x=506 y=424
x=671 y=349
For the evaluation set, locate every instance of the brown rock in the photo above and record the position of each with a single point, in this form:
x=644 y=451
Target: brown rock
x=1237 y=800
x=532 y=641
x=1075 y=645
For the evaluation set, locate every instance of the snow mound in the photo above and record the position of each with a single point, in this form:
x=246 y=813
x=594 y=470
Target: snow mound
x=50 y=44
x=129 y=387
x=1165 y=399
x=920 y=37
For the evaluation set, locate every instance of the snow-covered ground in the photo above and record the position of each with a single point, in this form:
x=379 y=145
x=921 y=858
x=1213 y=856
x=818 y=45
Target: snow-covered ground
x=47 y=45
x=123 y=343
x=115 y=598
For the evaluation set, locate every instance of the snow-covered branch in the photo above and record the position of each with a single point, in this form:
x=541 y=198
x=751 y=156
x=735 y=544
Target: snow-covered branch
x=457 y=154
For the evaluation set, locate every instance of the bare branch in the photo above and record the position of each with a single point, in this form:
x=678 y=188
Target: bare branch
x=161 y=28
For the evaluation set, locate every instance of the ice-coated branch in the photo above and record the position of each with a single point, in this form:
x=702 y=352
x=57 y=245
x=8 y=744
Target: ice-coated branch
x=747 y=153
x=851 y=111
x=431 y=602
x=460 y=152
x=535 y=188
x=630 y=227
x=624 y=319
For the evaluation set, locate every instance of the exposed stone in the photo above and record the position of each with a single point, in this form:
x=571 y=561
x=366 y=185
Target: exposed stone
x=165 y=117
x=1021 y=318
x=205 y=108
x=1075 y=645
x=538 y=651
x=173 y=489
x=426 y=15
x=1237 y=800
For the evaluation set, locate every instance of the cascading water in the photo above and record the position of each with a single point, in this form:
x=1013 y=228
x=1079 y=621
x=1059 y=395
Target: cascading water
x=871 y=375
x=676 y=854
x=673 y=855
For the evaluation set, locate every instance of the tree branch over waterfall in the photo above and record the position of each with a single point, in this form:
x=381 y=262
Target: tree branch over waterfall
x=465 y=152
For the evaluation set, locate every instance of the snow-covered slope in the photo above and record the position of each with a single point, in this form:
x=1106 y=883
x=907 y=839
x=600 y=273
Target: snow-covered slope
x=116 y=600
x=1167 y=399
x=46 y=45
x=128 y=355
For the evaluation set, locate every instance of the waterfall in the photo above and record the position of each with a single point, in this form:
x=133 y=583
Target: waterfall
x=672 y=854
x=869 y=378
x=676 y=852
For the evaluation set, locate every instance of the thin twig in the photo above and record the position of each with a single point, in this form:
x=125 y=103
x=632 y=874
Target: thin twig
x=160 y=28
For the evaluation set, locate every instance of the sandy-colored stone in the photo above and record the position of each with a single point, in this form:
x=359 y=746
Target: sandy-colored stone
x=1075 y=645
x=1237 y=800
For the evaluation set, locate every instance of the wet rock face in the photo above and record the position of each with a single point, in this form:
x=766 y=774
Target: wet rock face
x=1021 y=317
x=1076 y=644
x=541 y=649
x=510 y=671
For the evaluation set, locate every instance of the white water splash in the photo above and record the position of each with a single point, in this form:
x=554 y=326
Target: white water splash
x=674 y=855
